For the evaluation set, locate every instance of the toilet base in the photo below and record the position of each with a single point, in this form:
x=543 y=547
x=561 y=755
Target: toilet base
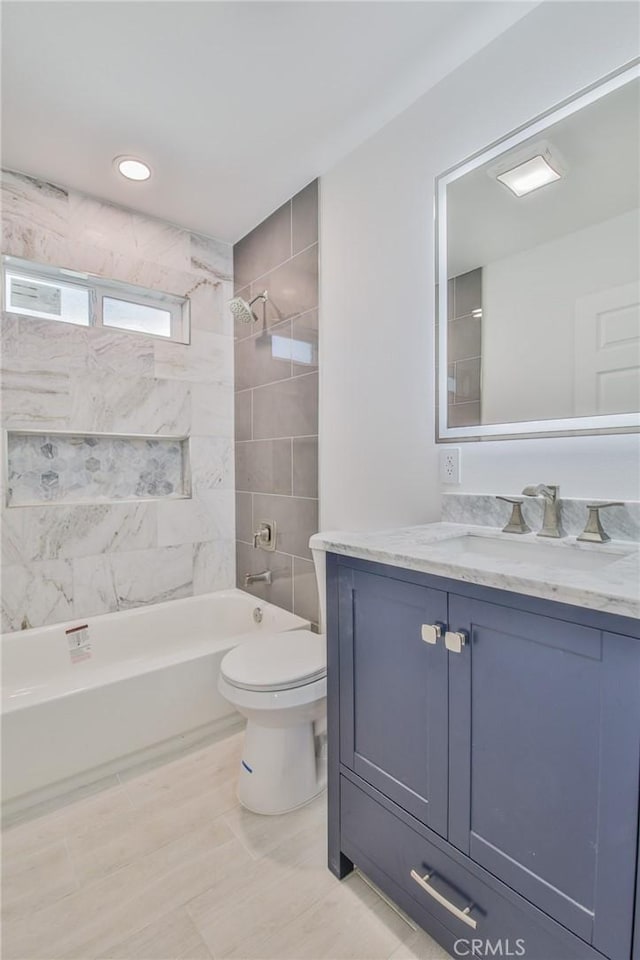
x=279 y=771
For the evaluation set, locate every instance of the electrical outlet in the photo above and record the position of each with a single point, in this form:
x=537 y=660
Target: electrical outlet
x=450 y=465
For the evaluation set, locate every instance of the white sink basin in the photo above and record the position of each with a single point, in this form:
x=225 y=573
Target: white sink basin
x=559 y=556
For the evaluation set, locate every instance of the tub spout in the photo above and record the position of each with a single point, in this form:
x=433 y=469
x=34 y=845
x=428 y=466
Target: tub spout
x=264 y=577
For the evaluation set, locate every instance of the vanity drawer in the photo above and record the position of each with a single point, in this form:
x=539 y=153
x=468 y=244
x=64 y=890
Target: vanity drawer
x=456 y=904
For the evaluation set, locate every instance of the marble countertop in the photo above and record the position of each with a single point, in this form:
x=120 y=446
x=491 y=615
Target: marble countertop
x=613 y=588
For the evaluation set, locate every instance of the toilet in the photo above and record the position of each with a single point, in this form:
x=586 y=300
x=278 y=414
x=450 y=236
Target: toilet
x=279 y=683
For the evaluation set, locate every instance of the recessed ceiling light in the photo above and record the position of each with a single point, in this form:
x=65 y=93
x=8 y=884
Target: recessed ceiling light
x=132 y=168
x=529 y=176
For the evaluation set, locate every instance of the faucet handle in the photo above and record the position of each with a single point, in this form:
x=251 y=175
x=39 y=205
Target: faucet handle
x=517 y=523
x=594 y=531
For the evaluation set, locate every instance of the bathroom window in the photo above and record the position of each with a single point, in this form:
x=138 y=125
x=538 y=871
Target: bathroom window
x=53 y=293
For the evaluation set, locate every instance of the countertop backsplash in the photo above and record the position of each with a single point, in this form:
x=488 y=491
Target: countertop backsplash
x=621 y=523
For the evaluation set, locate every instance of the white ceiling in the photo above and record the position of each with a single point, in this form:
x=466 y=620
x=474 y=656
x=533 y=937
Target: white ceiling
x=236 y=105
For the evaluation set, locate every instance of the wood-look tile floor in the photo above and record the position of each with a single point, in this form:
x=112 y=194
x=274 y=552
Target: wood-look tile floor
x=163 y=864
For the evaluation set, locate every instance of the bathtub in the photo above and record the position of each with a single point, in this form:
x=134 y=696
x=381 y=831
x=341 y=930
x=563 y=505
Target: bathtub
x=81 y=700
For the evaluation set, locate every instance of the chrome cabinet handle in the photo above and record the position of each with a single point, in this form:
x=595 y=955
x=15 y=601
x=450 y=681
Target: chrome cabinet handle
x=455 y=641
x=432 y=632
x=451 y=907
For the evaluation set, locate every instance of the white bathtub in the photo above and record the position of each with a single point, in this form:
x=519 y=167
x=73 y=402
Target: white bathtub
x=146 y=683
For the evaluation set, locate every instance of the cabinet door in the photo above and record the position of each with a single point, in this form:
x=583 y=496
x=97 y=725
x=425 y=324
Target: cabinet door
x=544 y=748
x=393 y=691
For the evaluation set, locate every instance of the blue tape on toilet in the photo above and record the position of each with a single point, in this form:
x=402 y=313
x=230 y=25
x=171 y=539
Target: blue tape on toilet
x=246 y=766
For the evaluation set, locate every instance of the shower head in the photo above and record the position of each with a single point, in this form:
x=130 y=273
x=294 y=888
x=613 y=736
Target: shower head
x=242 y=311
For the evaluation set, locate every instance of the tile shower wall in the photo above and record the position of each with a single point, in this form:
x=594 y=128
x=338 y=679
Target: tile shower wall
x=63 y=468
x=464 y=349
x=63 y=561
x=276 y=381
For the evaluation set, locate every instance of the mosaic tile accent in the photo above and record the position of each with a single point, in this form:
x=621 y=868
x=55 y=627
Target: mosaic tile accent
x=72 y=468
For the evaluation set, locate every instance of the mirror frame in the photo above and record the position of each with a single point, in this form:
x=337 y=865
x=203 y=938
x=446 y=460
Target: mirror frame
x=568 y=426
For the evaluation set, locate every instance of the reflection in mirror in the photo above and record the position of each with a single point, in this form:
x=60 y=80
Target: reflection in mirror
x=541 y=237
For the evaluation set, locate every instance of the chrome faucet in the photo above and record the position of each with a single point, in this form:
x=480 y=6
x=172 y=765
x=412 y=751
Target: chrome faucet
x=551 y=524
x=264 y=577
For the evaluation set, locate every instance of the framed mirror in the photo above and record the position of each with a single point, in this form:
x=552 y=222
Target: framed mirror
x=538 y=275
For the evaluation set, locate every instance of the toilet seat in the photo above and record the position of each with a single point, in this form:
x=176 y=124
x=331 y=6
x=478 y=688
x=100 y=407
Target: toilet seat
x=278 y=661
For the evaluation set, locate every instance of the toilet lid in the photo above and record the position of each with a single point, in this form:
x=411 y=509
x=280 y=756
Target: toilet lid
x=278 y=661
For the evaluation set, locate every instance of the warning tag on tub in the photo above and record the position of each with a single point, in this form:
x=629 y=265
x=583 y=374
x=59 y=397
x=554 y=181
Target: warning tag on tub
x=79 y=643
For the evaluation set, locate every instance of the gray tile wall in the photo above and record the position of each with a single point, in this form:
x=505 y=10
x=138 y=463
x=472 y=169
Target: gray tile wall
x=464 y=349
x=276 y=415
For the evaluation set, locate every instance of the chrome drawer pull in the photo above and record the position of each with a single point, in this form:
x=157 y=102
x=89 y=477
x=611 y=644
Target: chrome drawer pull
x=455 y=641
x=432 y=632
x=460 y=914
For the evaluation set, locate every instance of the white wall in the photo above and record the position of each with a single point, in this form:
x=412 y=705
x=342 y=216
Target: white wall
x=378 y=459
x=528 y=327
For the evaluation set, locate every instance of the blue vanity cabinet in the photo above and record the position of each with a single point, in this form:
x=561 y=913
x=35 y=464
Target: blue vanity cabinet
x=544 y=740
x=394 y=702
x=505 y=774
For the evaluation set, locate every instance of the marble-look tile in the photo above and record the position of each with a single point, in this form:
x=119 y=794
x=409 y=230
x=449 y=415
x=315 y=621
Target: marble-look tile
x=120 y=581
x=103 y=224
x=32 y=345
x=66 y=532
x=214 y=566
x=37 y=593
x=103 y=404
x=210 y=517
x=119 y=354
x=621 y=523
x=142 y=272
x=59 y=468
x=34 y=205
x=59 y=376
x=212 y=464
x=610 y=588
x=212 y=410
x=38 y=398
x=211 y=257
x=207 y=307
x=32 y=243
x=207 y=359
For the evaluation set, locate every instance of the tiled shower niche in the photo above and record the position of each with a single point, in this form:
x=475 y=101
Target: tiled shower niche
x=90 y=468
